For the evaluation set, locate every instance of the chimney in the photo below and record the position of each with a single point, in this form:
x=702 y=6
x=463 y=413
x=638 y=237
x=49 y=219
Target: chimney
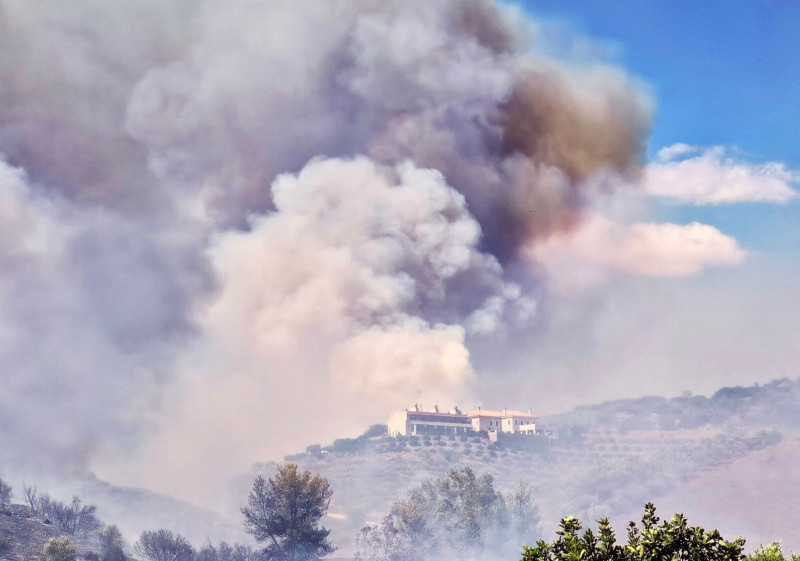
x=529 y=412
x=504 y=411
x=435 y=408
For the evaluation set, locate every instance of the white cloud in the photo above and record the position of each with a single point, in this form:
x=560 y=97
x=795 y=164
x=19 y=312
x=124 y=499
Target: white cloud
x=601 y=248
x=709 y=176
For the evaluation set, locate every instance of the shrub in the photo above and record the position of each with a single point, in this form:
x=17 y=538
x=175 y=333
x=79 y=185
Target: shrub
x=59 y=549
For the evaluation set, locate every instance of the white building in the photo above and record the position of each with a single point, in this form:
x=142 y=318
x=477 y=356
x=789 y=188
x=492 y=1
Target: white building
x=415 y=421
x=506 y=420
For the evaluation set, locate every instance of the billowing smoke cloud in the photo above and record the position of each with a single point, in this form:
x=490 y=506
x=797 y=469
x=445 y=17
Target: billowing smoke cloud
x=221 y=215
x=91 y=307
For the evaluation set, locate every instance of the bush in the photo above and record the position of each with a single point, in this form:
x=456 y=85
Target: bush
x=59 y=549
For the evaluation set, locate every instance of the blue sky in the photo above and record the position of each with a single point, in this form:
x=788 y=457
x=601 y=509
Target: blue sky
x=722 y=73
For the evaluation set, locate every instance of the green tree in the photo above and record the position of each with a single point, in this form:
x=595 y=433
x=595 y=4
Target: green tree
x=670 y=540
x=285 y=513
x=59 y=549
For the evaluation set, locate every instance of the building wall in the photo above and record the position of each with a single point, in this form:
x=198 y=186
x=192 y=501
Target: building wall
x=406 y=423
x=486 y=422
x=519 y=424
x=398 y=425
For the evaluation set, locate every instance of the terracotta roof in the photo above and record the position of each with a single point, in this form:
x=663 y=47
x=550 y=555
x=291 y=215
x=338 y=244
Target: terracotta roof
x=500 y=414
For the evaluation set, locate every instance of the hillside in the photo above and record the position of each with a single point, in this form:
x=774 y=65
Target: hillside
x=711 y=458
x=27 y=535
x=134 y=509
x=606 y=459
x=755 y=496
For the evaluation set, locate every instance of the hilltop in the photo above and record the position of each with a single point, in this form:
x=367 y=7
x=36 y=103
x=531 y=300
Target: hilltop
x=603 y=459
x=707 y=456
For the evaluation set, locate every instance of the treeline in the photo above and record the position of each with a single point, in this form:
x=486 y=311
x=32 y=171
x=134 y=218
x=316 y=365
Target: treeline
x=771 y=404
x=459 y=516
x=79 y=523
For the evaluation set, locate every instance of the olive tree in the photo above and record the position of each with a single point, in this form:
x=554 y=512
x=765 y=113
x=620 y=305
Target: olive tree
x=284 y=513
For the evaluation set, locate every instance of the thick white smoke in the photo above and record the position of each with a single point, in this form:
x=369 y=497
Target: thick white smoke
x=218 y=216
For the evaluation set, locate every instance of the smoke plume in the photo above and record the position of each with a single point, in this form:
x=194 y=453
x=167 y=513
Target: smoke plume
x=221 y=215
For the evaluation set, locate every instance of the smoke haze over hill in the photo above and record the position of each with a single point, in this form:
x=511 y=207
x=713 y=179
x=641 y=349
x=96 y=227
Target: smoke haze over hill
x=217 y=216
